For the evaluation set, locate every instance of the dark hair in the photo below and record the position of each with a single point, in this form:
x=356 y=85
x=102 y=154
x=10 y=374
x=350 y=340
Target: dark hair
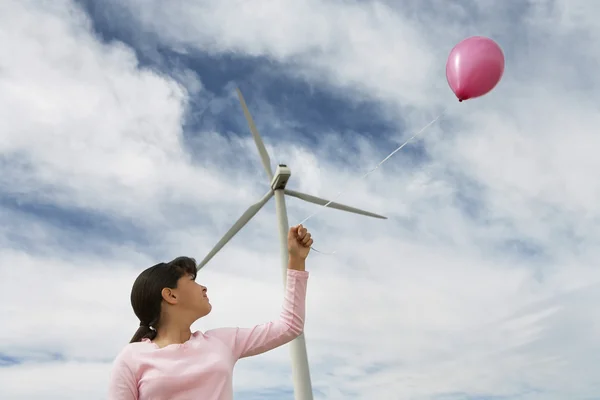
x=146 y=296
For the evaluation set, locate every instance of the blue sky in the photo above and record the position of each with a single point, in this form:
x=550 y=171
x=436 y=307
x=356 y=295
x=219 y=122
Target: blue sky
x=123 y=144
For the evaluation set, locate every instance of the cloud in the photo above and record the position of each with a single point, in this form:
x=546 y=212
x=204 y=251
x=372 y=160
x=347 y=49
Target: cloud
x=481 y=283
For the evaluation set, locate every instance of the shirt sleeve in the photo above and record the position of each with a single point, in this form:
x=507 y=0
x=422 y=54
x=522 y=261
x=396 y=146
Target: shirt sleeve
x=246 y=342
x=123 y=383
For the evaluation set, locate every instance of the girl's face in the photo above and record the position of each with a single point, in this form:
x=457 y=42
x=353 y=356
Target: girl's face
x=192 y=297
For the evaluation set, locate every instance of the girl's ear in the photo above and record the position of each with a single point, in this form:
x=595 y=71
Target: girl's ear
x=169 y=295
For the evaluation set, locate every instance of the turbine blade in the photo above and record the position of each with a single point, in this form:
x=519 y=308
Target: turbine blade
x=337 y=206
x=262 y=150
x=243 y=220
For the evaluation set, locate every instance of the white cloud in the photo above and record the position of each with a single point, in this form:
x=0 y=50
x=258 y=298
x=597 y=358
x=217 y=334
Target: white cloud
x=429 y=302
x=70 y=380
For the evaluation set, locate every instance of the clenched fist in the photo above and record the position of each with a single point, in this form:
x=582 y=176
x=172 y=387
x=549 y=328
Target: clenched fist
x=299 y=242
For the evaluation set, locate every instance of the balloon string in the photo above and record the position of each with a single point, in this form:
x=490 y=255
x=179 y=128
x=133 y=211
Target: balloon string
x=321 y=209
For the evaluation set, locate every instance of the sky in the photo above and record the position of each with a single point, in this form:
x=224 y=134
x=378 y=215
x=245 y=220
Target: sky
x=122 y=144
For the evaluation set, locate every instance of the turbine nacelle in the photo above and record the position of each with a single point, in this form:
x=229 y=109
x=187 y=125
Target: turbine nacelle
x=281 y=177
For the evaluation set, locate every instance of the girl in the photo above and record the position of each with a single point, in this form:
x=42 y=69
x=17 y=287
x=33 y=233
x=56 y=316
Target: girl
x=166 y=361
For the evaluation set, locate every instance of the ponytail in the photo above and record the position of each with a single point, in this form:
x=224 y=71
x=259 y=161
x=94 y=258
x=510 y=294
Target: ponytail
x=143 y=332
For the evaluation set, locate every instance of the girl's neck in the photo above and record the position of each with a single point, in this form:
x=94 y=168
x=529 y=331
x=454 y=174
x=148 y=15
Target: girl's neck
x=170 y=334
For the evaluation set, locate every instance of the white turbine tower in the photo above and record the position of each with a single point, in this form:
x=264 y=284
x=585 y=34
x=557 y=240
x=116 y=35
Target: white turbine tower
x=278 y=182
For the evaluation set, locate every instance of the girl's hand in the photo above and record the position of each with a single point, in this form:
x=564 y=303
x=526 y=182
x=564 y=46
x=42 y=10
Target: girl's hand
x=299 y=242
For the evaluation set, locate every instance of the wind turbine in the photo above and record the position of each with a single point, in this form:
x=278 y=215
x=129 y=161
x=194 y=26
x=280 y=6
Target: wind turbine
x=278 y=183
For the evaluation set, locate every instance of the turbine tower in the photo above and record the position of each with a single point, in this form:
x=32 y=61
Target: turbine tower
x=278 y=183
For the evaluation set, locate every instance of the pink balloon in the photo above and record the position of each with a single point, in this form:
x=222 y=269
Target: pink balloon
x=474 y=67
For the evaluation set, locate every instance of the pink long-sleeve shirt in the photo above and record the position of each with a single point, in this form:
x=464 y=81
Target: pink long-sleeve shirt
x=202 y=367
